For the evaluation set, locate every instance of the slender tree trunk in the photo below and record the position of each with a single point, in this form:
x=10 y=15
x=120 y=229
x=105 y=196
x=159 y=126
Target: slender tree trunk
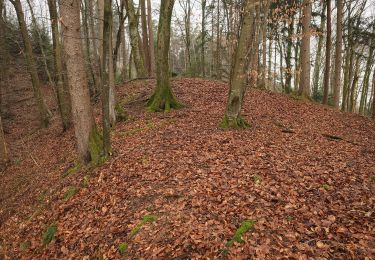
x=124 y=71
x=232 y=118
x=145 y=40
x=163 y=98
x=134 y=40
x=95 y=41
x=337 y=86
x=4 y=155
x=288 y=80
x=106 y=64
x=85 y=26
x=203 y=43
x=304 y=85
x=353 y=88
x=264 y=44
x=151 y=38
x=366 y=81
x=62 y=94
x=40 y=42
x=327 y=68
x=218 y=43
x=318 y=56
x=44 y=114
x=89 y=141
x=119 y=36
x=373 y=94
x=4 y=62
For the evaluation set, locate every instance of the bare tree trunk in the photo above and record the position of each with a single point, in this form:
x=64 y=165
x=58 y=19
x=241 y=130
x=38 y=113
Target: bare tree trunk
x=327 y=70
x=124 y=71
x=232 y=118
x=151 y=38
x=304 y=85
x=119 y=36
x=4 y=156
x=264 y=43
x=95 y=41
x=373 y=94
x=163 y=98
x=218 y=43
x=4 y=63
x=366 y=80
x=44 y=113
x=89 y=141
x=337 y=86
x=203 y=43
x=40 y=42
x=145 y=41
x=134 y=40
x=317 y=63
x=107 y=64
x=62 y=93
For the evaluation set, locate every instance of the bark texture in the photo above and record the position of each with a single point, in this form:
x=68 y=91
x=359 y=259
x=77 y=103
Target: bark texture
x=238 y=80
x=89 y=142
x=338 y=57
x=304 y=84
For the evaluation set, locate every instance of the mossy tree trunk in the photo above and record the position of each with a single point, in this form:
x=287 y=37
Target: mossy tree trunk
x=163 y=98
x=89 y=142
x=4 y=61
x=238 y=79
x=138 y=56
x=62 y=95
x=44 y=113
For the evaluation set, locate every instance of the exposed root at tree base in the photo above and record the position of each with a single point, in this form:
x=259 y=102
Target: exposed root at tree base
x=234 y=123
x=163 y=101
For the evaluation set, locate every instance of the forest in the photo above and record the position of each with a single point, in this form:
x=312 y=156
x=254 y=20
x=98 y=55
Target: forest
x=187 y=129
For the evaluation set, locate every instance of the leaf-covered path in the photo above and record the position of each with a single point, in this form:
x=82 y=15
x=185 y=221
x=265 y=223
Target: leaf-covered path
x=303 y=172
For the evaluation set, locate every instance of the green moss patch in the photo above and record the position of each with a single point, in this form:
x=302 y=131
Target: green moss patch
x=71 y=191
x=146 y=219
x=71 y=171
x=49 y=234
x=96 y=147
x=237 y=238
x=122 y=248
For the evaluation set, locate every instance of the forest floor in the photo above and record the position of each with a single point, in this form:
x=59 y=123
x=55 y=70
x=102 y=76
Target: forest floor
x=300 y=182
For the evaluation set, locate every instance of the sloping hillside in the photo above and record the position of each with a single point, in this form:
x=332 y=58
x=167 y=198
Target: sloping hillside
x=299 y=183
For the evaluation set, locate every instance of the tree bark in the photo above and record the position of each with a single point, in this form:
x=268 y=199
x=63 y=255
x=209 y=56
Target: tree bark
x=327 y=70
x=62 y=93
x=134 y=40
x=40 y=42
x=238 y=79
x=145 y=41
x=304 y=85
x=151 y=37
x=163 y=98
x=44 y=113
x=106 y=72
x=89 y=141
x=317 y=63
x=338 y=57
x=203 y=43
x=4 y=155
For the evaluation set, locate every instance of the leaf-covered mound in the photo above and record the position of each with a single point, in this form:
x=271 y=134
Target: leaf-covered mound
x=307 y=195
